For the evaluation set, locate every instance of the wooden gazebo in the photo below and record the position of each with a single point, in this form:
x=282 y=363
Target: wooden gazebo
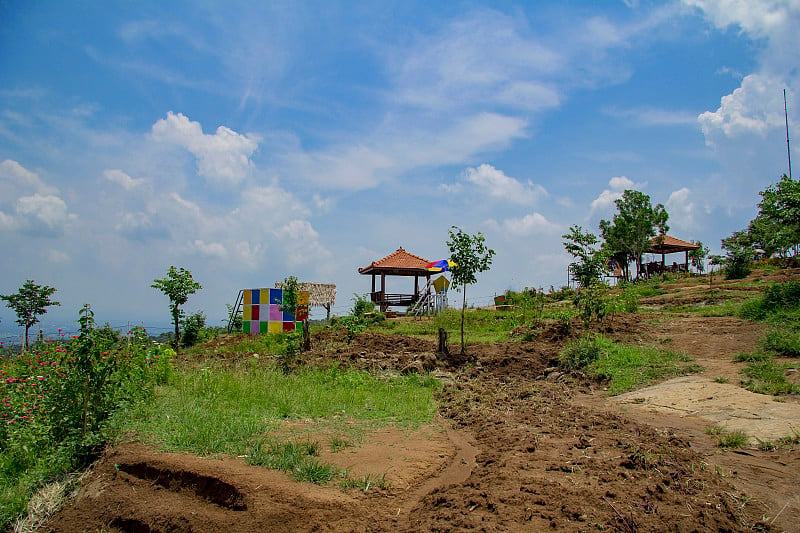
x=664 y=244
x=399 y=263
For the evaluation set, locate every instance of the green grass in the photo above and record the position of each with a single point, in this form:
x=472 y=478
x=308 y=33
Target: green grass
x=625 y=367
x=226 y=411
x=480 y=325
x=729 y=439
x=298 y=459
x=782 y=341
x=767 y=376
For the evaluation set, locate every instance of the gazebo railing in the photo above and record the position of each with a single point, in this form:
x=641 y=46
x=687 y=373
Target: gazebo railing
x=386 y=299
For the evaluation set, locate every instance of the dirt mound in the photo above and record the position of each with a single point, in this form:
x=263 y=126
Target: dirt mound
x=518 y=447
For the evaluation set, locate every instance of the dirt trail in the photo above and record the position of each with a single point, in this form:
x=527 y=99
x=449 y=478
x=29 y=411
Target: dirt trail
x=691 y=405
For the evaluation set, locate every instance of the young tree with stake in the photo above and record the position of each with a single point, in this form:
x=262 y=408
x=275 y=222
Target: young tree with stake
x=30 y=302
x=470 y=255
x=177 y=285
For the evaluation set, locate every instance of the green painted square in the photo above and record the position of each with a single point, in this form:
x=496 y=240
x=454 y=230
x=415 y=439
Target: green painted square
x=263 y=327
x=246 y=326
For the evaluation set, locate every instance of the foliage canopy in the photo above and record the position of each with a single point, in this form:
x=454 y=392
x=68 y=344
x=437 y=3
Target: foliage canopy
x=628 y=234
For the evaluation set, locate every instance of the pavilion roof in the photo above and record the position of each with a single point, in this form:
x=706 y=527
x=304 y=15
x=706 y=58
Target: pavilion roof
x=665 y=244
x=398 y=263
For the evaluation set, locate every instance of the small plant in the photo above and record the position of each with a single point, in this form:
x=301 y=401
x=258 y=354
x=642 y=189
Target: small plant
x=338 y=444
x=590 y=302
x=721 y=379
x=366 y=482
x=729 y=439
x=580 y=353
x=289 y=351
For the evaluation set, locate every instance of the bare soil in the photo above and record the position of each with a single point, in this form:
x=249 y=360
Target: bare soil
x=517 y=446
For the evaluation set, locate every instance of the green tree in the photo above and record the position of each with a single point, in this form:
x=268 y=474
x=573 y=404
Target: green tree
x=739 y=254
x=29 y=303
x=177 y=285
x=631 y=229
x=698 y=256
x=470 y=255
x=777 y=226
x=590 y=261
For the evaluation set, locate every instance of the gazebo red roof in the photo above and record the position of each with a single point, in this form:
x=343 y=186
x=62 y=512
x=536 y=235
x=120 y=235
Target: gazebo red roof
x=664 y=244
x=399 y=263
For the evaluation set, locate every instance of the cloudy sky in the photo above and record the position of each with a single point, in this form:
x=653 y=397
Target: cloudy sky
x=250 y=141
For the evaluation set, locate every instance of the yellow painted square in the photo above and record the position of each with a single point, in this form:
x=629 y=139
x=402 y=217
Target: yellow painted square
x=248 y=297
x=247 y=313
x=276 y=327
x=302 y=298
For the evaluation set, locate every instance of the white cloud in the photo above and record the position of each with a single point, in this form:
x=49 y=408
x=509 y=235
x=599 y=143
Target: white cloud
x=531 y=224
x=756 y=107
x=16 y=181
x=620 y=183
x=606 y=199
x=214 y=249
x=762 y=18
x=43 y=214
x=480 y=58
x=498 y=185
x=58 y=257
x=301 y=243
x=681 y=209
x=753 y=108
x=117 y=176
x=650 y=116
x=6 y=221
x=223 y=158
x=399 y=148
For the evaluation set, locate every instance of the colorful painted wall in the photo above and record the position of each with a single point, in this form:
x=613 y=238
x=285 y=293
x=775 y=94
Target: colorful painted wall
x=262 y=311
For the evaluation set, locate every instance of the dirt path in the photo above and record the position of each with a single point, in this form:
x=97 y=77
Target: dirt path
x=690 y=405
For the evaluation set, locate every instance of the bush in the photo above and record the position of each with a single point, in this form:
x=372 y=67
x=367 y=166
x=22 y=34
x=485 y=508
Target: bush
x=737 y=266
x=191 y=328
x=753 y=309
x=782 y=341
x=784 y=295
x=582 y=352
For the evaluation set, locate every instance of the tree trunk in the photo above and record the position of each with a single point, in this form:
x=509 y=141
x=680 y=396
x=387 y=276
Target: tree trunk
x=176 y=318
x=443 y=350
x=306 y=336
x=463 y=311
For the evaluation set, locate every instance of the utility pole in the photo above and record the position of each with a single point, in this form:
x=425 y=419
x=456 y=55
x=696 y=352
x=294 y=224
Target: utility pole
x=788 y=150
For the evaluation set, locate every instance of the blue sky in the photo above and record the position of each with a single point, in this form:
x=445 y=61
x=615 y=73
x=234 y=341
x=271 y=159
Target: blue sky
x=250 y=141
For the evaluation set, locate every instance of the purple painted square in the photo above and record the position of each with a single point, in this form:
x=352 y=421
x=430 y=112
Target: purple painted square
x=275 y=313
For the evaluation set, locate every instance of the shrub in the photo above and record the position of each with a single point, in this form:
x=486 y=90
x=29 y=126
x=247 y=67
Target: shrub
x=192 y=328
x=784 y=295
x=782 y=341
x=582 y=352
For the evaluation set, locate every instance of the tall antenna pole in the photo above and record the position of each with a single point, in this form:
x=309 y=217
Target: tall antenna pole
x=788 y=150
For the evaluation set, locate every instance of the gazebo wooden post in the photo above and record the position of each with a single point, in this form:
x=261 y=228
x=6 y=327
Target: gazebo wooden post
x=383 y=293
x=686 y=261
x=416 y=286
x=373 y=286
